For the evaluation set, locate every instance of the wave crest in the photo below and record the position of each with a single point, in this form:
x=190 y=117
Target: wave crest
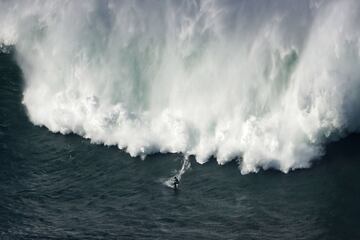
x=205 y=78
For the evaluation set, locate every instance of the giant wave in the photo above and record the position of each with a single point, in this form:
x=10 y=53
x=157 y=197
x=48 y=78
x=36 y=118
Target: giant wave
x=267 y=83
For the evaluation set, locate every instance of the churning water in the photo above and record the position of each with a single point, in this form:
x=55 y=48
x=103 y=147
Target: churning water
x=254 y=84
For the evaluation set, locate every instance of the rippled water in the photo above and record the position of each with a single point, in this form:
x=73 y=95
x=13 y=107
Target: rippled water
x=63 y=187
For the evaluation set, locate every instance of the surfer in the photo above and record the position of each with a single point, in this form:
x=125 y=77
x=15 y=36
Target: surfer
x=176 y=183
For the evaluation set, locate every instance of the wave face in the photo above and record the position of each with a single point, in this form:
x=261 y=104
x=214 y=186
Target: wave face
x=264 y=82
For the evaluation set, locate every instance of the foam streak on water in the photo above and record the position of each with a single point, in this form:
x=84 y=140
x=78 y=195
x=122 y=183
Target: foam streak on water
x=178 y=174
x=265 y=82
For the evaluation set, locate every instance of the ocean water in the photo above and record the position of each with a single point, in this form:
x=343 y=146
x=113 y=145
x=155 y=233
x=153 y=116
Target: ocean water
x=55 y=186
x=265 y=83
x=253 y=105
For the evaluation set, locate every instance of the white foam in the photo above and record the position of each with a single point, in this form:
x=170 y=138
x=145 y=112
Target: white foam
x=267 y=85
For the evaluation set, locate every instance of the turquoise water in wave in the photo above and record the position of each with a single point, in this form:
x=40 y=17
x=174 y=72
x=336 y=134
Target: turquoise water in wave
x=55 y=186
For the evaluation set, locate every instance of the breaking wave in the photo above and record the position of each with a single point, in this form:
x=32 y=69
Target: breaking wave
x=265 y=82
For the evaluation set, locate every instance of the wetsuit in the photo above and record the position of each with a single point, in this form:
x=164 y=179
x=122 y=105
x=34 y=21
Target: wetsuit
x=176 y=183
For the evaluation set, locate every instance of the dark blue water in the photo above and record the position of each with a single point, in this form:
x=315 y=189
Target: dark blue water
x=63 y=187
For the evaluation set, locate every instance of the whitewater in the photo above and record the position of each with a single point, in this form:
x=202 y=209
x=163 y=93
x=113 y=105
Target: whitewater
x=264 y=83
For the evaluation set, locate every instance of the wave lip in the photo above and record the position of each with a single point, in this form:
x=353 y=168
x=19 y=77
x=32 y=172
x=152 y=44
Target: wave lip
x=203 y=78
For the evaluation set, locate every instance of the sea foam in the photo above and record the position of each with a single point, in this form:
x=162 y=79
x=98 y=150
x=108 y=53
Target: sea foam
x=266 y=83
